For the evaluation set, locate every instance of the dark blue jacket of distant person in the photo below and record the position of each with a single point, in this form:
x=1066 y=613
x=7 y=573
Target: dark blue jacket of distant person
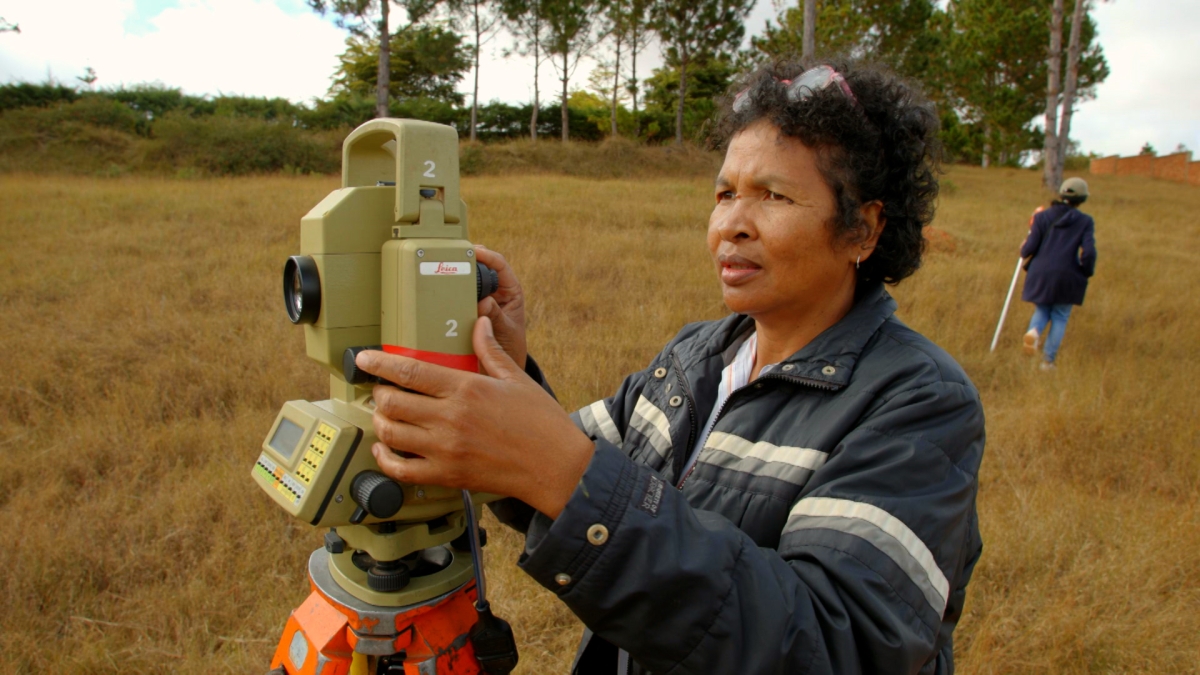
x=828 y=526
x=1062 y=242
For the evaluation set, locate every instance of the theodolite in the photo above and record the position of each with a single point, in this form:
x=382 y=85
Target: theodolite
x=384 y=264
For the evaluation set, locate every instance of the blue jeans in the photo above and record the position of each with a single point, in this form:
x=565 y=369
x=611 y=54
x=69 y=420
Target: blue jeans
x=1056 y=316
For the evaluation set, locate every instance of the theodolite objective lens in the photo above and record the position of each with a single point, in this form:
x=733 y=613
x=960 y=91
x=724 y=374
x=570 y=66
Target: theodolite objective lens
x=302 y=289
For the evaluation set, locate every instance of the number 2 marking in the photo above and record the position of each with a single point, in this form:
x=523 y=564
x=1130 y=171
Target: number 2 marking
x=430 y=166
x=453 y=332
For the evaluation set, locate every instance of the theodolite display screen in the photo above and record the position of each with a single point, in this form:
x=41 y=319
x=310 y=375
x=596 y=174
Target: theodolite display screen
x=286 y=438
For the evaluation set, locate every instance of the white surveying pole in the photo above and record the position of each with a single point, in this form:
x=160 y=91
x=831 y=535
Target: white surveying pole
x=1008 y=300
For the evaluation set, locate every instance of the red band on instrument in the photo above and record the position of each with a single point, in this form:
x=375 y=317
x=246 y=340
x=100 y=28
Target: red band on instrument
x=467 y=362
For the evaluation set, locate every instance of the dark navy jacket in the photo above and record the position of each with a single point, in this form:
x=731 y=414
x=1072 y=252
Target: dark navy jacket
x=1064 y=256
x=828 y=525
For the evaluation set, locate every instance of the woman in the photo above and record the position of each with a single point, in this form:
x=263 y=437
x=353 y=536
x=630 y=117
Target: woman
x=788 y=490
x=1062 y=245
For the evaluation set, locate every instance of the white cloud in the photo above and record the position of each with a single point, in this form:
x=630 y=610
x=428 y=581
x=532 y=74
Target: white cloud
x=1151 y=94
x=280 y=48
x=250 y=47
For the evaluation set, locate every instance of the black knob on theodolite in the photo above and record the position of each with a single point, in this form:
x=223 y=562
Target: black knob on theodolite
x=350 y=369
x=388 y=576
x=487 y=281
x=375 y=494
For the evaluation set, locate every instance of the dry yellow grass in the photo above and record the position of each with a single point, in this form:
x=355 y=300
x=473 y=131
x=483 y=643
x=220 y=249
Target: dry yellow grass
x=145 y=353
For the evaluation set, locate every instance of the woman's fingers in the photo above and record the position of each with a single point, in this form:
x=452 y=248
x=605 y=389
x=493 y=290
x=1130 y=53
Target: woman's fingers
x=508 y=334
x=492 y=355
x=403 y=435
x=499 y=434
x=412 y=470
x=509 y=285
x=402 y=371
x=490 y=308
x=416 y=409
x=436 y=440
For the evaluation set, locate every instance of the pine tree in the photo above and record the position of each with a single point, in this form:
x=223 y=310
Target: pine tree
x=570 y=29
x=697 y=30
x=525 y=20
x=354 y=15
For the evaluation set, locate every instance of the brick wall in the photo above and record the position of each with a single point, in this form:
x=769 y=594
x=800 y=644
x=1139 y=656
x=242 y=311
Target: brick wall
x=1104 y=165
x=1173 y=167
x=1177 y=167
x=1138 y=165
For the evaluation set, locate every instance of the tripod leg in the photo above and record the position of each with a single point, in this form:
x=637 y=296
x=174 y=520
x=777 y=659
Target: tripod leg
x=315 y=640
x=362 y=665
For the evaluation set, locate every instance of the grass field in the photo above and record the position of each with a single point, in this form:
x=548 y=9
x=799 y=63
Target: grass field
x=145 y=353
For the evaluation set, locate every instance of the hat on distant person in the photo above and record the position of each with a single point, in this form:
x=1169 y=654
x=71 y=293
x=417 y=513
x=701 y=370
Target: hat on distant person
x=1074 y=190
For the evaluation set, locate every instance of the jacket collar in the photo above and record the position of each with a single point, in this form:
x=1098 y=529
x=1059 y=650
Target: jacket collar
x=826 y=362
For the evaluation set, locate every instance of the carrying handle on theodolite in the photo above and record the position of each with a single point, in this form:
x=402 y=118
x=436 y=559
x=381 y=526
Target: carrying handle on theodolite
x=411 y=154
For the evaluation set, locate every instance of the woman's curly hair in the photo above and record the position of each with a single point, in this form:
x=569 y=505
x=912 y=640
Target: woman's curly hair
x=881 y=146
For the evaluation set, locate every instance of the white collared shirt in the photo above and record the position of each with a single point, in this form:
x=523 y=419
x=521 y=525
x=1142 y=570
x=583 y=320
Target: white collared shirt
x=735 y=376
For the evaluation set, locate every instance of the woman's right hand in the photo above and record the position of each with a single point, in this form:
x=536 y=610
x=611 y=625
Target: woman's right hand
x=505 y=307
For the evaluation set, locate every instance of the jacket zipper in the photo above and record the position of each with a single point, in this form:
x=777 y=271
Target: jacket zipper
x=687 y=396
x=816 y=384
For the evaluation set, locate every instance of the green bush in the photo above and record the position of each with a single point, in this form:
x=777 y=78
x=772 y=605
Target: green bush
x=58 y=120
x=239 y=145
x=90 y=135
x=611 y=158
x=270 y=109
x=41 y=140
x=28 y=95
x=153 y=129
x=341 y=112
x=101 y=111
x=153 y=101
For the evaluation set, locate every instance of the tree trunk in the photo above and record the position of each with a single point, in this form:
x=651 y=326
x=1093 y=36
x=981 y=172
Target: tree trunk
x=637 y=121
x=987 y=144
x=566 y=119
x=533 y=134
x=383 y=74
x=1054 y=61
x=616 y=84
x=1064 y=130
x=683 y=64
x=475 y=89
x=809 y=45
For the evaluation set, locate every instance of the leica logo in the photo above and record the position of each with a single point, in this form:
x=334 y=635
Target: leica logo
x=445 y=268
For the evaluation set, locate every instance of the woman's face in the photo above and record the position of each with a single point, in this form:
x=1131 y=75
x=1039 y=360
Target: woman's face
x=769 y=235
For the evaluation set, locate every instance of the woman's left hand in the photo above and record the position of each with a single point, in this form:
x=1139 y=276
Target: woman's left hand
x=499 y=433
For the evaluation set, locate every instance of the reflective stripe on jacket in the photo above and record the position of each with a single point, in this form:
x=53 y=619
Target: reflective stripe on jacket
x=828 y=526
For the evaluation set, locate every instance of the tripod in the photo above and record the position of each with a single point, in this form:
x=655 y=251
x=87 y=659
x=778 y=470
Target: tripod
x=334 y=632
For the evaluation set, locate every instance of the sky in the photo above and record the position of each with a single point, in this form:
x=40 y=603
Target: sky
x=282 y=48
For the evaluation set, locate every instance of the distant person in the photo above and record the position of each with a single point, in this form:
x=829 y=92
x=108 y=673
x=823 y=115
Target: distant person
x=789 y=489
x=1061 y=248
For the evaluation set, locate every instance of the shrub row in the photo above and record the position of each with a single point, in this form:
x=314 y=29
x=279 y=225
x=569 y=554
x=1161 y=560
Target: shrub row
x=141 y=107
x=55 y=129
x=94 y=136
x=100 y=136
